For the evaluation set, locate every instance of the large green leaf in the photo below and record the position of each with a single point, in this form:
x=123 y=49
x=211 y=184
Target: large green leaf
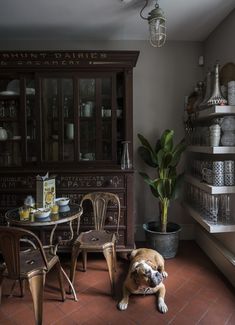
x=167 y=140
x=145 y=142
x=178 y=150
x=178 y=182
x=167 y=187
x=172 y=173
x=160 y=189
x=160 y=156
x=154 y=191
x=146 y=178
x=147 y=156
x=158 y=146
x=166 y=160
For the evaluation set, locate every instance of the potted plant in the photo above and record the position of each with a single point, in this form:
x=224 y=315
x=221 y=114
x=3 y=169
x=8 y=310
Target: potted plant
x=165 y=186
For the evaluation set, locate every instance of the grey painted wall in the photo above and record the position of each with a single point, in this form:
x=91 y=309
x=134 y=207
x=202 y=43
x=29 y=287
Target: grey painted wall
x=221 y=46
x=162 y=78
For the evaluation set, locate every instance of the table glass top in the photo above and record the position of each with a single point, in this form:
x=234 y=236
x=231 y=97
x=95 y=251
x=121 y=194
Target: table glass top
x=65 y=214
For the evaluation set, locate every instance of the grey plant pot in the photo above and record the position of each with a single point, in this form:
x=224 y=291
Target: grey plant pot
x=165 y=243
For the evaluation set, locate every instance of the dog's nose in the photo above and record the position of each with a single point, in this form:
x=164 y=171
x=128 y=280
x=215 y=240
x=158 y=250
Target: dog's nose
x=159 y=276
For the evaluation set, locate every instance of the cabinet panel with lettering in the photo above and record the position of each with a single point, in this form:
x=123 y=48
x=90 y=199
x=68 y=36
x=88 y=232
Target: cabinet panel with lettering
x=68 y=113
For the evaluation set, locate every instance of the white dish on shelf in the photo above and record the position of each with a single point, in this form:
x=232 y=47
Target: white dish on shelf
x=30 y=91
x=8 y=93
x=16 y=137
x=42 y=213
x=62 y=201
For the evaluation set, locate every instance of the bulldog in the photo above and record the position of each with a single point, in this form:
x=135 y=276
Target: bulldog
x=145 y=276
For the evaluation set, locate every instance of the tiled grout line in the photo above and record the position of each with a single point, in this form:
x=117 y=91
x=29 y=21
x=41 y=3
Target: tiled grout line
x=177 y=313
x=229 y=317
x=180 y=310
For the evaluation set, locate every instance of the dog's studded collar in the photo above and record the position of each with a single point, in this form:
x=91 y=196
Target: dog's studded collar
x=146 y=290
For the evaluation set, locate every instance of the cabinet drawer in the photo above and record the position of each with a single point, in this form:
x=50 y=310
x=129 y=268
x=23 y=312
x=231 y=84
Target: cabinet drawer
x=122 y=238
x=9 y=201
x=85 y=182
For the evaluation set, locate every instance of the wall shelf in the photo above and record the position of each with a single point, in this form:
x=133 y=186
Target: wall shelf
x=209 y=226
x=214 y=111
x=211 y=150
x=209 y=188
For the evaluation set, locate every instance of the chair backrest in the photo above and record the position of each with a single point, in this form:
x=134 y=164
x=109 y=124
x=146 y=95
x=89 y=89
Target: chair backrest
x=10 y=238
x=100 y=202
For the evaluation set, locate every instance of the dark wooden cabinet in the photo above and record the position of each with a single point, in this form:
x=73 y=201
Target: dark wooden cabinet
x=67 y=112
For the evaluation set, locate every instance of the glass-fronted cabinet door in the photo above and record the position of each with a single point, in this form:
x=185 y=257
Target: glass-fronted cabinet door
x=107 y=119
x=10 y=119
x=81 y=118
x=101 y=118
x=57 y=119
x=120 y=114
x=88 y=119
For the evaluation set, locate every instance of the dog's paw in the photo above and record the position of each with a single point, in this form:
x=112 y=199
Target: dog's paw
x=164 y=274
x=162 y=306
x=122 y=305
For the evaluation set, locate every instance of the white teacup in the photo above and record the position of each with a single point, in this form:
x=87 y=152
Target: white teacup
x=106 y=112
x=89 y=155
x=119 y=113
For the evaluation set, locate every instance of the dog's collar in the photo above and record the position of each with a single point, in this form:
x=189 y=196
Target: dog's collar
x=144 y=290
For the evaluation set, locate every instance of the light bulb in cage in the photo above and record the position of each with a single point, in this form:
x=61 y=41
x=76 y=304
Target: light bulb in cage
x=157 y=25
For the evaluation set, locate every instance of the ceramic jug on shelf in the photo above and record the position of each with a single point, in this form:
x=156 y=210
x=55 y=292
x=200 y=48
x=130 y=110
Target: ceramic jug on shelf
x=3 y=134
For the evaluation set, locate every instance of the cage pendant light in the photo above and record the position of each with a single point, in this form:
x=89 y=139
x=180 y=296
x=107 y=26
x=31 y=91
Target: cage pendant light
x=157 y=25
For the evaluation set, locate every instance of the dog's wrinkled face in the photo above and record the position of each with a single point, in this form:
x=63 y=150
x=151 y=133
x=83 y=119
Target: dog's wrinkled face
x=145 y=274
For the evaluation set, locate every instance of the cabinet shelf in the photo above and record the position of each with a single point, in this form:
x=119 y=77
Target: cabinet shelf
x=211 y=150
x=211 y=227
x=8 y=119
x=213 y=111
x=209 y=188
x=9 y=97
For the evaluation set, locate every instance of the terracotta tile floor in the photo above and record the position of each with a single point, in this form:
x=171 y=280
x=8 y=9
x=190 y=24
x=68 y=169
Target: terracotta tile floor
x=197 y=293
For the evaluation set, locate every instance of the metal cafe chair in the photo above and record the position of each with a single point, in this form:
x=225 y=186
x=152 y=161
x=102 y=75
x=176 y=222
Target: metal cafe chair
x=30 y=264
x=98 y=239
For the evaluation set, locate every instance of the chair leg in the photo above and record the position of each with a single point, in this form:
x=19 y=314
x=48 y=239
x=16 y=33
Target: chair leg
x=61 y=280
x=74 y=255
x=108 y=254
x=114 y=258
x=36 y=285
x=84 y=260
x=22 y=287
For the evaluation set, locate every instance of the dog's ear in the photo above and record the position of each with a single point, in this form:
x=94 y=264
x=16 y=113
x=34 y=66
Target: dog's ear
x=132 y=254
x=134 y=274
x=134 y=266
